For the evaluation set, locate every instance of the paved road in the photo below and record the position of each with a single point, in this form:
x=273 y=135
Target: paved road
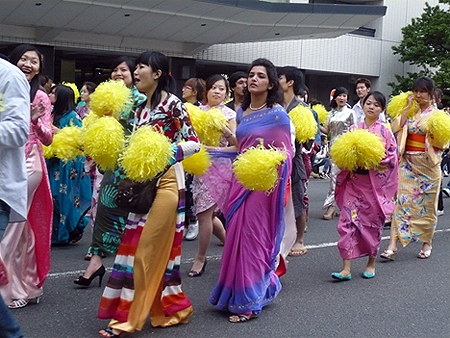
x=407 y=298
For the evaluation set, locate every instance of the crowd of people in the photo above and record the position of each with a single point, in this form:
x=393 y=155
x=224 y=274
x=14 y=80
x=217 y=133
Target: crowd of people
x=51 y=201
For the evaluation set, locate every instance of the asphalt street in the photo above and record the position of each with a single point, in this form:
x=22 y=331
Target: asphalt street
x=408 y=297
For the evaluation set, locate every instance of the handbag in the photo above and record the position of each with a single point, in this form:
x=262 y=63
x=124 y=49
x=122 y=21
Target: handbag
x=137 y=197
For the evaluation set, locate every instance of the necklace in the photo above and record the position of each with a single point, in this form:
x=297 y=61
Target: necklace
x=259 y=108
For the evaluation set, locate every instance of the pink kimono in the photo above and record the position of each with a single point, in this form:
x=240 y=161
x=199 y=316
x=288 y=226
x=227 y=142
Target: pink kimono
x=366 y=199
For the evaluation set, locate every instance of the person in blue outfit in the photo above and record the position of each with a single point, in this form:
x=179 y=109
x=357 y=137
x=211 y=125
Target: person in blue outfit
x=70 y=185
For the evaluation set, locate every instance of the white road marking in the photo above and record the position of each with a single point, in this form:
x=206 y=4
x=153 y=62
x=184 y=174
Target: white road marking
x=213 y=258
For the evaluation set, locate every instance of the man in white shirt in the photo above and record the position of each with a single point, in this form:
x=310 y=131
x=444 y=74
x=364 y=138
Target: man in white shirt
x=14 y=129
x=362 y=90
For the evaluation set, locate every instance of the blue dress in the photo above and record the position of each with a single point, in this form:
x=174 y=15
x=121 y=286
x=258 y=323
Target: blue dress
x=71 y=192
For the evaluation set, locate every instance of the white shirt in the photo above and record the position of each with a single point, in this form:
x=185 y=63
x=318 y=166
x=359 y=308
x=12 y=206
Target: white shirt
x=14 y=129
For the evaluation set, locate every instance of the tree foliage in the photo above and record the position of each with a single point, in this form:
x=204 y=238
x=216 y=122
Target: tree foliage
x=426 y=44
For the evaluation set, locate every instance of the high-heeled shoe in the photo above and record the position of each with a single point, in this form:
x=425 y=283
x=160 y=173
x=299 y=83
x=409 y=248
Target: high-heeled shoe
x=194 y=273
x=22 y=302
x=87 y=281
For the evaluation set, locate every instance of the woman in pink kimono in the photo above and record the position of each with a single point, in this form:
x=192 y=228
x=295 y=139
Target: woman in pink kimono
x=25 y=247
x=366 y=197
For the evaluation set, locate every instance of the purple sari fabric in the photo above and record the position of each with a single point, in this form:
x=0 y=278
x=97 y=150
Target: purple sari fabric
x=366 y=200
x=255 y=222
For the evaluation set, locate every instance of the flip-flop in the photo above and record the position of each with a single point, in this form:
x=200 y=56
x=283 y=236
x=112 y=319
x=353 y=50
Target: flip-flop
x=297 y=253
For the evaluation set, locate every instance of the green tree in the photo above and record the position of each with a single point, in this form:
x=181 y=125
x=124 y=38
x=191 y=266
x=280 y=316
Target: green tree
x=426 y=44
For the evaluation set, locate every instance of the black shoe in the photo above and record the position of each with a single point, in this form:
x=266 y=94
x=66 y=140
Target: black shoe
x=193 y=273
x=87 y=281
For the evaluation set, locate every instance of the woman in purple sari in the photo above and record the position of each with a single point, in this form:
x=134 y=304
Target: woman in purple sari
x=255 y=219
x=366 y=197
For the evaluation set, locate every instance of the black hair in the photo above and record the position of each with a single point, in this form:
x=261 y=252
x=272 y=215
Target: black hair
x=90 y=86
x=235 y=77
x=364 y=81
x=129 y=62
x=43 y=79
x=158 y=61
x=424 y=83
x=65 y=102
x=304 y=92
x=379 y=97
x=337 y=92
x=14 y=58
x=213 y=79
x=294 y=74
x=274 y=94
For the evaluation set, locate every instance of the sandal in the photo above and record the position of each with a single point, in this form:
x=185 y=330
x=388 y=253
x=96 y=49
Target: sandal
x=424 y=254
x=242 y=317
x=108 y=333
x=18 y=303
x=389 y=254
x=299 y=251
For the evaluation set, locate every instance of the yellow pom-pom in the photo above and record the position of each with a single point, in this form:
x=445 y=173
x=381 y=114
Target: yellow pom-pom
x=73 y=86
x=110 y=98
x=67 y=143
x=257 y=168
x=357 y=149
x=197 y=164
x=48 y=151
x=91 y=117
x=398 y=103
x=146 y=155
x=438 y=126
x=207 y=124
x=103 y=140
x=305 y=125
x=322 y=113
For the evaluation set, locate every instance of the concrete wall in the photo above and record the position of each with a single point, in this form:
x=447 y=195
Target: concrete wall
x=342 y=59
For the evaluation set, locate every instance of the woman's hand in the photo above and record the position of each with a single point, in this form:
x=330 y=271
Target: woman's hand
x=55 y=129
x=37 y=110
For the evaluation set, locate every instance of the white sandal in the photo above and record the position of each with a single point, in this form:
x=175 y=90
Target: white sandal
x=18 y=303
x=424 y=254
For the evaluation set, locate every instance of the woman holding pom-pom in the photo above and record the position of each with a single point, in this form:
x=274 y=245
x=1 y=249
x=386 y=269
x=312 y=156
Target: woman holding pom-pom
x=420 y=149
x=110 y=223
x=145 y=279
x=340 y=119
x=25 y=247
x=217 y=90
x=255 y=219
x=365 y=196
x=71 y=187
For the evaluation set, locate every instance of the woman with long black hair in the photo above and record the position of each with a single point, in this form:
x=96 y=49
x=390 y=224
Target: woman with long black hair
x=26 y=245
x=71 y=187
x=146 y=279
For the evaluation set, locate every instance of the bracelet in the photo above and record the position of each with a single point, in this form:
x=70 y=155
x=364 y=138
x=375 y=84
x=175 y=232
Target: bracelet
x=229 y=135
